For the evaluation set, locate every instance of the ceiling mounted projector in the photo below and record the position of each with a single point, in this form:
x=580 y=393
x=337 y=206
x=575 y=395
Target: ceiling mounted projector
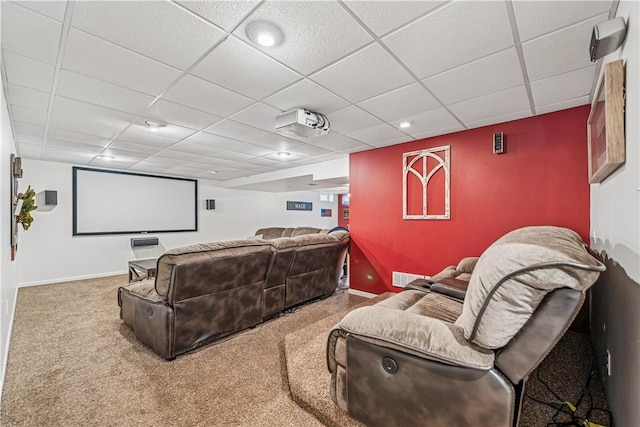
x=303 y=123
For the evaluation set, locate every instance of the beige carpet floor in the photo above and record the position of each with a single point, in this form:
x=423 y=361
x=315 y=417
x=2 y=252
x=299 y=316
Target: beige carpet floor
x=72 y=362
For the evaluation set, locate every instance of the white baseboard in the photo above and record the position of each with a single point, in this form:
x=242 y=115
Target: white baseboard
x=69 y=279
x=361 y=293
x=3 y=368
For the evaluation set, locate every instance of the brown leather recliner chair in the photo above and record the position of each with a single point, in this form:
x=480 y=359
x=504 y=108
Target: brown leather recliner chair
x=420 y=358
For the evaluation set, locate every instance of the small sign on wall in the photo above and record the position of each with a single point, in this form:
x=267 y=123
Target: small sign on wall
x=345 y=213
x=325 y=212
x=299 y=206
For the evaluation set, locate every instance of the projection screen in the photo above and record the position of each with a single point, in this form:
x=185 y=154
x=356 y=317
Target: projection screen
x=116 y=202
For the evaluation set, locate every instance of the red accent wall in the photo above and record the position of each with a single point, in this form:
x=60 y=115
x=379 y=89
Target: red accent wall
x=541 y=179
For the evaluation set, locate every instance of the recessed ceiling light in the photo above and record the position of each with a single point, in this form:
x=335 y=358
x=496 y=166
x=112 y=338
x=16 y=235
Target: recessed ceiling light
x=213 y=171
x=264 y=33
x=107 y=157
x=154 y=126
x=405 y=124
x=283 y=154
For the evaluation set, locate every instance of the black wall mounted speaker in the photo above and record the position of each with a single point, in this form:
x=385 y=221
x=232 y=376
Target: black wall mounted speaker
x=144 y=241
x=498 y=143
x=211 y=204
x=47 y=200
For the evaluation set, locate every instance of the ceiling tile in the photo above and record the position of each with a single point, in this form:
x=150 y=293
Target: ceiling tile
x=378 y=134
x=259 y=115
x=73 y=123
x=119 y=144
x=91 y=56
x=53 y=9
x=28 y=129
x=177 y=154
x=489 y=74
x=536 y=18
x=147 y=166
x=28 y=72
x=236 y=130
x=113 y=163
x=167 y=160
x=559 y=52
x=393 y=141
x=87 y=89
x=73 y=146
x=202 y=95
x=351 y=118
x=308 y=95
x=225 y=14
x=216 y=142
x=400 y=103
x=133 y=24
x=190 y=147
x=95 y=113
x=500 y=119
x=571 y=85
x=492 y=105
x=308 y=150
x=232 y=155
x=252 y=149
x=69 y=156
x=29 y=151
x=285 y=162
x=82 y=138
x=428 y=121
x=315 y=33
x=367 y=73
x=28 y=115
x=243 y=69
x=437 y=132
x=147 y=138
x=583 y=100
x=453 y=35
x=336 y=142
x=384 y=16
x=167 y=130
x=263 y=161
x=27 y=97
x=28 y=139
x=30 y=34
x=275 y=141
x=169 y=112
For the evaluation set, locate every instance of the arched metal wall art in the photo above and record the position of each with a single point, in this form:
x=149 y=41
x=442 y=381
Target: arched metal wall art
x=426 y=173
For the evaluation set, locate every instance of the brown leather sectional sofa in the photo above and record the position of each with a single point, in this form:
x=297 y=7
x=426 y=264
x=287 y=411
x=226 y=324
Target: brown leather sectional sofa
x=204 y=292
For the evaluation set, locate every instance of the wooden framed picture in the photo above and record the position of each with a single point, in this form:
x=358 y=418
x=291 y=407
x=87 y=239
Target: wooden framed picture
x=605 y=125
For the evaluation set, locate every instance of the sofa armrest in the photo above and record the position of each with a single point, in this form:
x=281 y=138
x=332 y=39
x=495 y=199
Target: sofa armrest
x=451 y=287
x=416 y=334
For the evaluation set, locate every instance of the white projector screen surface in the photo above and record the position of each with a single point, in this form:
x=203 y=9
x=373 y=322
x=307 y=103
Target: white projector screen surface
x=114 y=202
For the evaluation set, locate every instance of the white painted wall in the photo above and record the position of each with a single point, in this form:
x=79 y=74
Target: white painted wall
x=8 y=288
x=49 y=253
x=615 y=230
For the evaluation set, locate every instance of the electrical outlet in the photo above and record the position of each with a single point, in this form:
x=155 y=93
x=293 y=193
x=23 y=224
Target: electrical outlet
x=608 y=363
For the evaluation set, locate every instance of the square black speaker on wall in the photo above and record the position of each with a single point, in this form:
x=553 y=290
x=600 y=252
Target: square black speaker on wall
x=498 y=143
x=47 y=200
x=211 y=204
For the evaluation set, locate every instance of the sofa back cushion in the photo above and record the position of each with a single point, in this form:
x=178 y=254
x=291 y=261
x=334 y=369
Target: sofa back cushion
x=284 y=250
x=300 y=231
x=550 y=257
x=197 y=270
x=313 y=271
x=270 y=232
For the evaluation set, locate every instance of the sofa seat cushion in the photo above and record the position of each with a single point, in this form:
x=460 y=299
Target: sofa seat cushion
x=403 y=322
x=552 y=258
x=145 y=289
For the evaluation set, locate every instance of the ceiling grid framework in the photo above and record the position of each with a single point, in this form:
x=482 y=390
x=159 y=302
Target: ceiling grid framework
x=82 y=78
